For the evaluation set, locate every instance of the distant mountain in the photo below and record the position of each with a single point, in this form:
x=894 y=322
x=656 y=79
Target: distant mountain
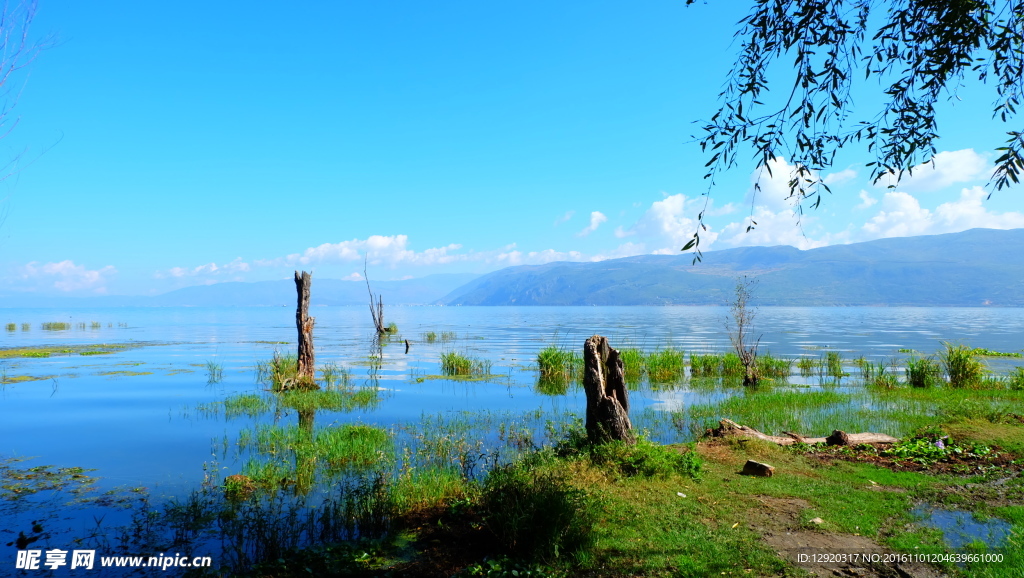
x=421 y=291
x=972 y=268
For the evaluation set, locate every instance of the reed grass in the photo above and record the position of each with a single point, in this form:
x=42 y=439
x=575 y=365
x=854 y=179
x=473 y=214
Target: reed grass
x=960 y=366
x=923 y=372
x=808 y=366
x=26 y=326
x=447 y=336
x=12 y=327
x=56 y=326
x=632 y=364
x=334 y=376
x=430 y=337
x=665 y=365
x=708 y=365
x=834 y=364
x=773 y=367
x=732 y=366
x=214 y=372
x=558 y=363
x=454 y=363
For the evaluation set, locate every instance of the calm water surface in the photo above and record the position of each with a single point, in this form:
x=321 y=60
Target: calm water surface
x=144 y=430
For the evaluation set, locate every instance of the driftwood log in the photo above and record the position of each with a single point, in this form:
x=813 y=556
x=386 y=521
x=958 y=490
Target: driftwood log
x=729 y=428
x=605 y=385
x=305 y=377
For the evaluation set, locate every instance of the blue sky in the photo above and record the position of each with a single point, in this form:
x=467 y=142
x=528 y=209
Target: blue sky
x=163 y=145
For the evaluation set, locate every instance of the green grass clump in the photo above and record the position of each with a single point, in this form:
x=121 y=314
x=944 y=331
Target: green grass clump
x=12 y=327
x=247 y=404
x=808 y=366
x=960 y=366
x=280 y=372
x=982 y=352
x=392 y=328
x=536 y=512
x=834 y=364
x=923 y=372
x=632 y=364
x=647 y=459
x=447 y=336
x=56 y=326
x=214 y=372
x=1015 y=380
x=665 y=364
x=95 y=325
x=26 y=326
x=732 y=366
x=454 y=363
x=37 y=354
x=708 y=365
x=430 y=337
x=329 y=399
x=774 y=367
x=335 y=376
x=556 y=363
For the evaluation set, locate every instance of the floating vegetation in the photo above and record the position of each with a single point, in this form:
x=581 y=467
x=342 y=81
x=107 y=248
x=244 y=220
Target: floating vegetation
x=17 y=483
x=982 y=352
x=95 y=325
x=454 y=363
x=7 y=379
x=447 y=336
x=12 y=327
x=329 y=399
x=46 y=351
x=26 y=326
x=124 y=373
x=278 y=371
x=430 y=337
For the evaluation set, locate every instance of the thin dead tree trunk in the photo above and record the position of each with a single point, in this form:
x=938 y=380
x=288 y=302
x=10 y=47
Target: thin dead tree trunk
x=605 y=385
x=378 y=312
x=305 y=377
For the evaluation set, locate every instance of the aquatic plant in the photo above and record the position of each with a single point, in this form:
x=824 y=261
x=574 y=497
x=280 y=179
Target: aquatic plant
x=281 y=373
x=707 y=365
x=732 y=366
x=558 y=363
x=430 y=337
x=26 y=326
x=632 y=364
x=447 y=336
x=12 y=327
x=808 y=366
x=214 y=372
x=834 y=364
x=454 y=363
x=56 y=326
x=923 y=372
x=665 y=364
x=334 y=376
x=1015 y=380
x=774 y=367
x=960 y=366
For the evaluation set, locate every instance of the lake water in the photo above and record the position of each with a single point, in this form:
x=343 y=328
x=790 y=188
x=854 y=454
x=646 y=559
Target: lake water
x=144 y=430
x=135 y=414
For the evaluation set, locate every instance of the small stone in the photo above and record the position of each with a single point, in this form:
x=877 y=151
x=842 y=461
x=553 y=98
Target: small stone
x=817 y=521
x=752 y=468
x=680 y=494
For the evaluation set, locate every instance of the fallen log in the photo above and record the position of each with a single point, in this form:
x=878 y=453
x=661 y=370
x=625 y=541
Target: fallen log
x=729 y=428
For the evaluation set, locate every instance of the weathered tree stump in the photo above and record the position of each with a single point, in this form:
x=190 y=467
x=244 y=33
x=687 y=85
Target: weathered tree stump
x=305 y=377
x=752 y=468
x=605 y=385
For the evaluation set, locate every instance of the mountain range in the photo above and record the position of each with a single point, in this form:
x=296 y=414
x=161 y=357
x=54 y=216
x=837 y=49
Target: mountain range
x=971 y=268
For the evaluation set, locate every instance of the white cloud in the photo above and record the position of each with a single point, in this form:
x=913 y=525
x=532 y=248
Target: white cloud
x=510 y=258
x=391 y=250
x=596 y=218
x=772 y=228
x=840 y=177
x=946 y=168
x=902 y=215
x=568 y=215
x=66 y=276
x=210 y=269
x=356 y=276
x=866 y=200
x=774 y=193
x=667 y=225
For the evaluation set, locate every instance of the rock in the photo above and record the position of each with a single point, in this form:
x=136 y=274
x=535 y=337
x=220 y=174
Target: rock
x=817 y=521
x=752 y=468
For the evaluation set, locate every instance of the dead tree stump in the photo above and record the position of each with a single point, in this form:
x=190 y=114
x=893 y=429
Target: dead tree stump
x=305 y=377
x=605 y=385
